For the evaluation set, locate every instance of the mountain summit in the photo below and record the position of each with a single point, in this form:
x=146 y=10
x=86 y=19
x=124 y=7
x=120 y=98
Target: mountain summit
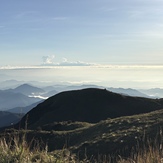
x=27 y=89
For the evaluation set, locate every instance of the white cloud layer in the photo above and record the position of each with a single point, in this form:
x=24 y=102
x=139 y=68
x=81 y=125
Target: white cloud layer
x=80 y=64
x=48 y=59
x=65 y=62
x=133 y=76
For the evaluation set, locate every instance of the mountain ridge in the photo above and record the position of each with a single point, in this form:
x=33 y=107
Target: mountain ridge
x=88 y=105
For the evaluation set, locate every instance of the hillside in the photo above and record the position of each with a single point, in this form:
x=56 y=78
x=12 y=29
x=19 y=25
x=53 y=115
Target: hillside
x=8 y=119
x=88 y=105
x=118 y=136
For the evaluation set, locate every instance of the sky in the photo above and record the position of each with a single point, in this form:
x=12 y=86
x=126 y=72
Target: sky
x=81 y=32
x=112 y=43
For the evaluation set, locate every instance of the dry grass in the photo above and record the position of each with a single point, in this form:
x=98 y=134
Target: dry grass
x=17 y=150
x=146 y=156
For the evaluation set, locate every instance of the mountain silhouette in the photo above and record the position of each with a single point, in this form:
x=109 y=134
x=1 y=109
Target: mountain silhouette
x=88 y=105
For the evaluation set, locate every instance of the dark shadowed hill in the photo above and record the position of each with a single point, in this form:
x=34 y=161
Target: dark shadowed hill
x=88 y=105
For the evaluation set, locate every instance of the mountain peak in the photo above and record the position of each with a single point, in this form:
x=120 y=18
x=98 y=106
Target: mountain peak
x=28 y=89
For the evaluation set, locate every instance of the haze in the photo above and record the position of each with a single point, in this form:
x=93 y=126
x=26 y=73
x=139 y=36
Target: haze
x=113 y=43
x=109 y=76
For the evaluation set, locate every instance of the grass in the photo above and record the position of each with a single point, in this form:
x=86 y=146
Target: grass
x=15 y=149
x=146 y=156
x=138 y=140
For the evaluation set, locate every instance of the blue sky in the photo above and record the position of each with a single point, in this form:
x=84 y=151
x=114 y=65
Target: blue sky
x=34 y=32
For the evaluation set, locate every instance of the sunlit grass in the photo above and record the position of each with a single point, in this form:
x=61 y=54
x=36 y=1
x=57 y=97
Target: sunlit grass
x=17 y=150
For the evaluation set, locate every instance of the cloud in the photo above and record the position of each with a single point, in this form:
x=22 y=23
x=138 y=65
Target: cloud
x=48 y=59
x=65 y=62
x=61 y=65
x=64 y=59
x=83 y=82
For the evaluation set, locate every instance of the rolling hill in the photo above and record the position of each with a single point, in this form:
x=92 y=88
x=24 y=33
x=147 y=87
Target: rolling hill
x=122 y=136
x=88 y=105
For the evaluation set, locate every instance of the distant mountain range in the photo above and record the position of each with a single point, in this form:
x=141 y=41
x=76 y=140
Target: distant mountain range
x=25 y=95
x=9 y=100
x=9 y=119
x=24 y=110
x=7 y=84
x=129 y=92
x=154 y=92
x=27 y=90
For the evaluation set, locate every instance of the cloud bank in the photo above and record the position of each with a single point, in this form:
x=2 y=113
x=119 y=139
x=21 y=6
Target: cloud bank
x=49 y=61
x=65 y=62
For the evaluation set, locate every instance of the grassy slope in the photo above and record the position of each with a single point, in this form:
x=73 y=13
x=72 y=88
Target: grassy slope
x=112 y=136
x=121 y=135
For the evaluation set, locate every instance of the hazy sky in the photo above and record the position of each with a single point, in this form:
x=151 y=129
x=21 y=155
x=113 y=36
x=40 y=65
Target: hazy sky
x=33 y=32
